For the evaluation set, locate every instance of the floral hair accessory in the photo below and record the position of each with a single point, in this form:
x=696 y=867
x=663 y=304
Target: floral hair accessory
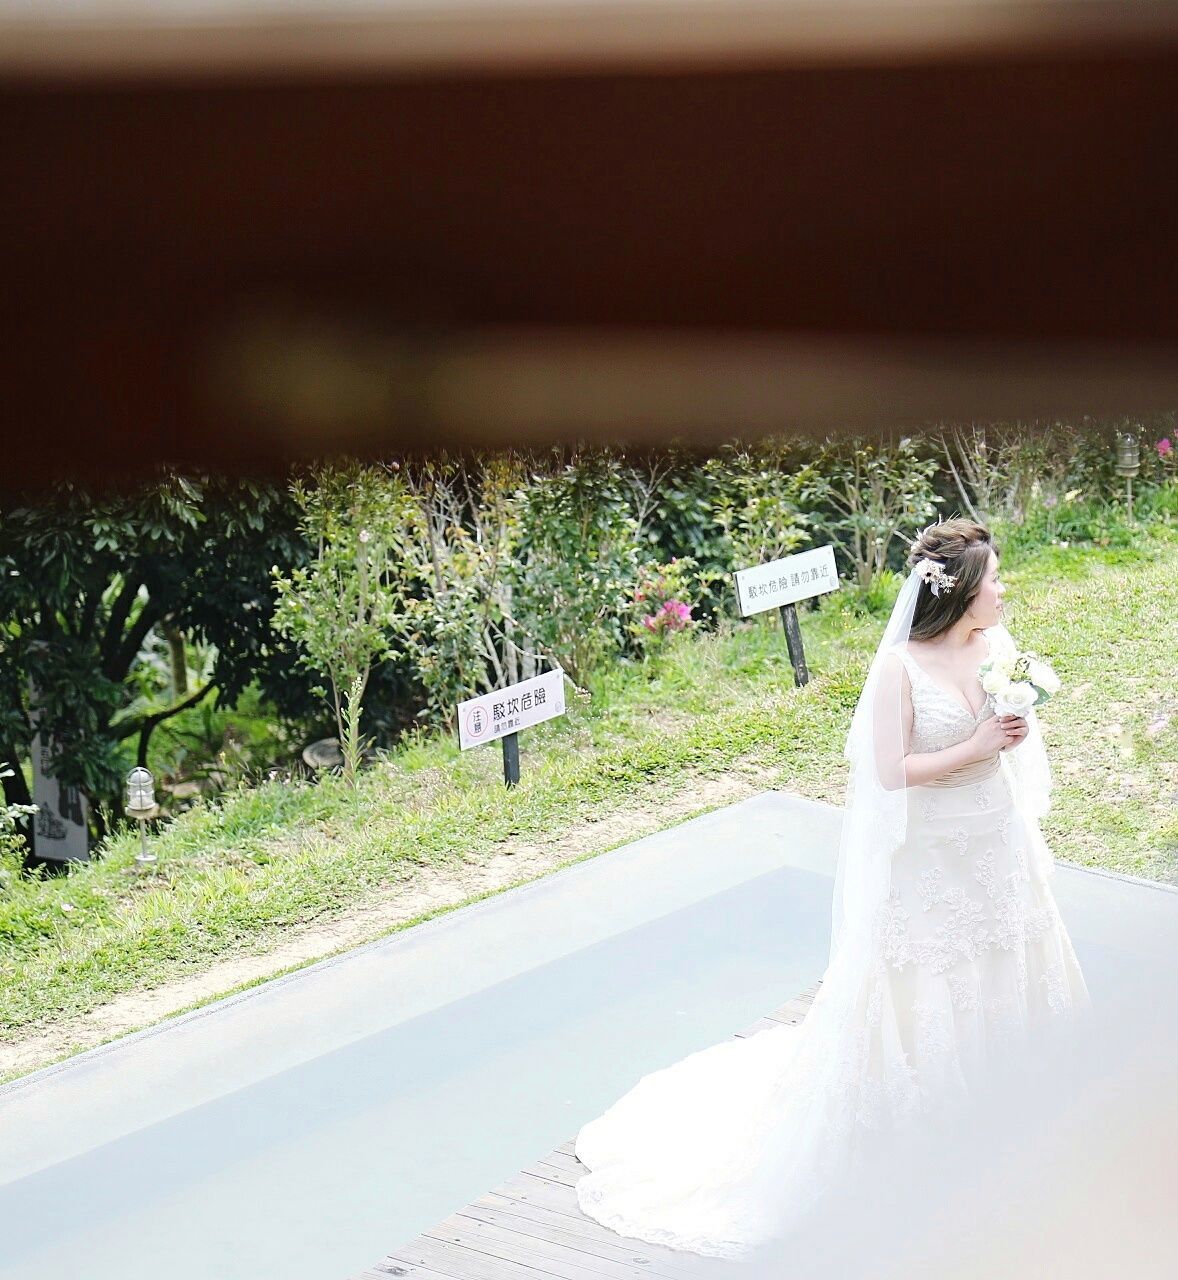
x=933 y=572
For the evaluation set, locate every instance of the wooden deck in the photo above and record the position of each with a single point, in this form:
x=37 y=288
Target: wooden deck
x=531 y=1226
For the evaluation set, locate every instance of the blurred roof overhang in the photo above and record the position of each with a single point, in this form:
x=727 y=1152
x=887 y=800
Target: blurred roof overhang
x=247 y=232
x=333 y=37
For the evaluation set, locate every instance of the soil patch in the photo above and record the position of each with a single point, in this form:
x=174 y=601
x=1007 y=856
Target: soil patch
x=423 y=890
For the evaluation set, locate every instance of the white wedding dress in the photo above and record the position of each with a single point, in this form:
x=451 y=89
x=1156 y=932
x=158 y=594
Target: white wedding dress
x=730 y=1146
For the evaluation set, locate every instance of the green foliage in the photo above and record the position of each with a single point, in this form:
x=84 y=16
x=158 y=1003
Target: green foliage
x=575 y=560
x=351 y=744
x=86 y=578
x=461 y=637
x=663 y=599
x=344 y=608
x=673 y=498
x=12 y=843
x=871 y=497
x=213 y=744
x=494 y=567
x=723 y=511
x=1080 y=500
x=756 y=493
x=1010 y=473
x=873 y=601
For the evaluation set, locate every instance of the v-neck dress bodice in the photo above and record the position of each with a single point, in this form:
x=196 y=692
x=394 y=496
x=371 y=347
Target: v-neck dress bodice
x=940 y=719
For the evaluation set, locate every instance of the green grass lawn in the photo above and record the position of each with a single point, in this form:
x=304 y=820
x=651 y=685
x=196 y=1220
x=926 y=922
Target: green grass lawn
x=233 y=876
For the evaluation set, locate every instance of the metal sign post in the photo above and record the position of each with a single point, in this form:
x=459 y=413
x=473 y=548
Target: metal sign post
x=781 y=584
x=511 y=758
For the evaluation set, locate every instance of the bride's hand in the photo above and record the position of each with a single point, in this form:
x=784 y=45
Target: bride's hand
x=993 y=734
x=1016 y=728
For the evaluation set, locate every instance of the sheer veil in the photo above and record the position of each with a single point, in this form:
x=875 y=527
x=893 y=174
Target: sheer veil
x=875 y=815
x=1028 y=772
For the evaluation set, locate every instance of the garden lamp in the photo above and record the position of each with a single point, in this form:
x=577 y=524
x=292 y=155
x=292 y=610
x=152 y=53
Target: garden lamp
x=1128 y=463
x=141 y=805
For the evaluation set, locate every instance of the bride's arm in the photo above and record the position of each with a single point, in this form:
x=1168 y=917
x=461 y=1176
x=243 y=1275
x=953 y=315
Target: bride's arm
x=895 y=763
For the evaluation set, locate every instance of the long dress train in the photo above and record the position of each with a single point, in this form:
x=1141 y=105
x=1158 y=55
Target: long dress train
x=727 y=1147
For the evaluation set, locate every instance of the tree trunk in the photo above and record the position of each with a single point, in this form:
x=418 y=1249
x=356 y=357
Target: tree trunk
x=179 y=656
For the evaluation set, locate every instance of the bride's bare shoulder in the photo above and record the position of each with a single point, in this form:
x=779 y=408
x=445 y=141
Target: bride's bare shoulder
x=893 y=670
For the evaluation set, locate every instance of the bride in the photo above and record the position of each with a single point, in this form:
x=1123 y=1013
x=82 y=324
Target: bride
x=946 y=946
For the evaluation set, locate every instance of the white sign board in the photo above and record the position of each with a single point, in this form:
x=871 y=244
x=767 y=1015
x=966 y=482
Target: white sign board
x=503 y=711
x=765 y=586
x=60 y=828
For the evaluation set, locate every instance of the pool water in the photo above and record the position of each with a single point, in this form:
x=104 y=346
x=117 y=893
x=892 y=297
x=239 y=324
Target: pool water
x=305 y=1127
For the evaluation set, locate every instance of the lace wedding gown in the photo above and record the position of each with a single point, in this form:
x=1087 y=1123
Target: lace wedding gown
x=729 y=1146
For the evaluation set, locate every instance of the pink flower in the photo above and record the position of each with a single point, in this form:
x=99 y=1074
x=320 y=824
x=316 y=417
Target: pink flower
x=1163 y=446
x=675 y=614
x=672 y=615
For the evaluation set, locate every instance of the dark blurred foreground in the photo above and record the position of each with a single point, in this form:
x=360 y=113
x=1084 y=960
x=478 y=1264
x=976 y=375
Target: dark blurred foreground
x=245 y=242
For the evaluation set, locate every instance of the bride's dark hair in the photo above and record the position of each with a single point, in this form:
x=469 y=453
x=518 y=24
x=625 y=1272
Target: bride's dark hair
x=963 y=547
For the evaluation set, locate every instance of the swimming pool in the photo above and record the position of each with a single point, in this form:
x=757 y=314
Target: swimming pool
x=305 y=1127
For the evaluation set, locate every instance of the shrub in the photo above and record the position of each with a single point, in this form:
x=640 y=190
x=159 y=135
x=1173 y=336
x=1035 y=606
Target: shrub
x=870 y=496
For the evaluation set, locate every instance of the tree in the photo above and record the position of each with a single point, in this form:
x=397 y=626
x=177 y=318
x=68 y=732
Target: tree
x=461 y=638
x=86 y=578
x=521 y=559
x=576 y=560
x=344 y=607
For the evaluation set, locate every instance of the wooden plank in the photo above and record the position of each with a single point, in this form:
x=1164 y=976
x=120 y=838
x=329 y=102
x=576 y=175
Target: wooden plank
x=554 y=1196
x=563 y=1160
x=790 y=1013
x=510 y=1242
x=559 y=1226
x=755 y=1028
x=519 y=1252
x=461 y=1264
x=792 y=1009
x=550 y=1173
x=390 y=1267
x=533 y=1222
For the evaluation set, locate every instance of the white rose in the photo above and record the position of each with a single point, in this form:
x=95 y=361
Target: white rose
x=1042 y=675
x=994 y=681
x=1004 y=662
x=1017 y=700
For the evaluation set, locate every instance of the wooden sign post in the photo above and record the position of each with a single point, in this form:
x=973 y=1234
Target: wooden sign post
x=502 y=713
x=793 y=643
x=781 y=584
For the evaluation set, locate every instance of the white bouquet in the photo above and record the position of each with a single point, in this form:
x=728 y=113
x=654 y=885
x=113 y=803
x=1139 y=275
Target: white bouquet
x=1016 y=682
